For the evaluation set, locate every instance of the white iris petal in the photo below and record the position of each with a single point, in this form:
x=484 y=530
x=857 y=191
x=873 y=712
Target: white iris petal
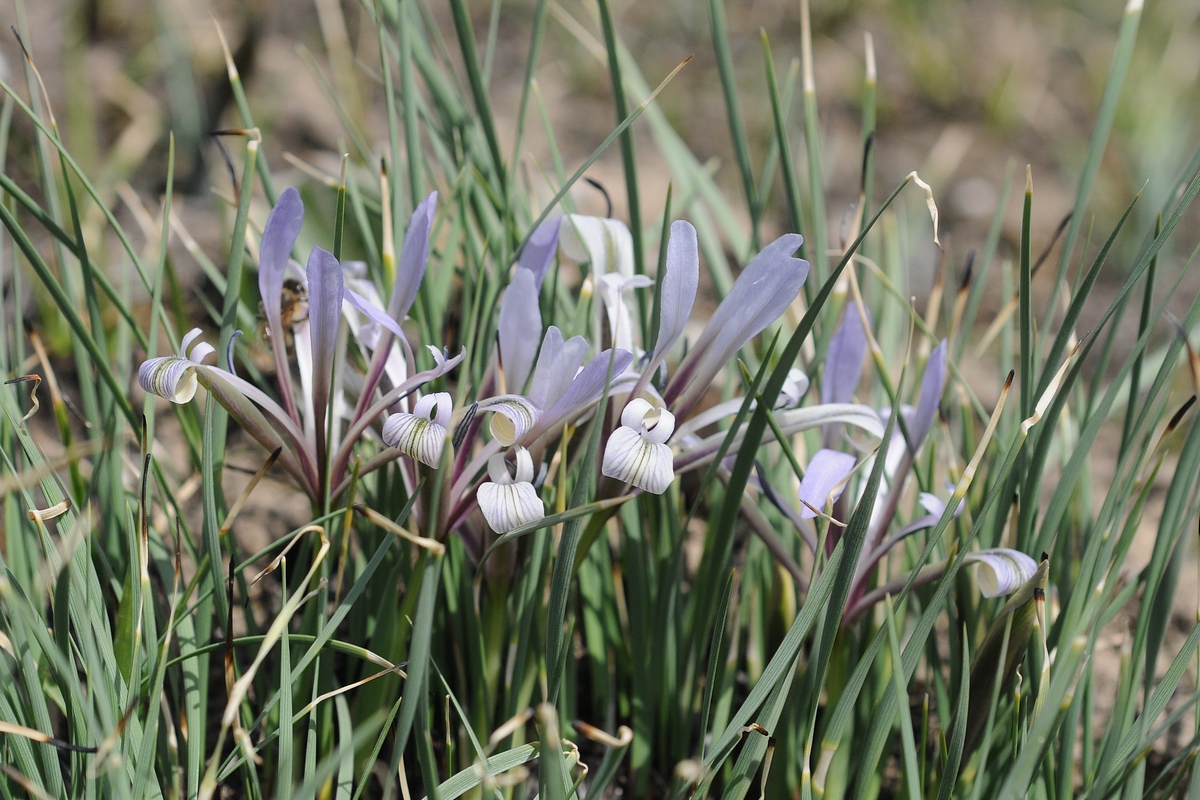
x=794 y=388
x=508 y=500
x=637 y=452
x=174 y=377
x=422 y=433
x=1002 y=570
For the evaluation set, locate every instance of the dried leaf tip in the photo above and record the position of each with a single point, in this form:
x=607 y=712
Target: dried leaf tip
x=968 y=272
x=929 y=201
x=869 y=48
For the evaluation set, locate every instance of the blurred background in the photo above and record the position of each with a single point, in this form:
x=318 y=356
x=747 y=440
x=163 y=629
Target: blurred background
x=965 y=91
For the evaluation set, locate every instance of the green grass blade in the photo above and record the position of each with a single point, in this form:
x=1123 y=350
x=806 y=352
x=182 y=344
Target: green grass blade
x=812 y=144
x=628 y=158
x=733 y=111
x=466 y=43
x=912 y=775
x=1025 y=297
x=1105 y=117
x=786 y=165
x=958 y=731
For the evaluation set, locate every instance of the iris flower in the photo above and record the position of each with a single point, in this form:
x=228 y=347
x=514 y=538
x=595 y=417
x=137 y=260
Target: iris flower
x=315 y=449
x=542 y=382
x=509 y=499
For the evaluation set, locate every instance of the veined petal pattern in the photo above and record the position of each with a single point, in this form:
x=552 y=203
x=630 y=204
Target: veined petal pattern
x=637 y=452
x=509 y=500
x=422 y=433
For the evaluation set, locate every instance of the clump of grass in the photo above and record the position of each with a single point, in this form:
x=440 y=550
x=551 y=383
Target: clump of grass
x=805 y=603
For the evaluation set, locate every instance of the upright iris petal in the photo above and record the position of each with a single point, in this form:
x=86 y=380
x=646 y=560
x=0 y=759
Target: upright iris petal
x=557 y=365
x=824 y=480
x=325 y=293
x=583 y=389
x=932 y=383
x=509 y=500
x=520 y=329
x=279 y=237
x=422 y=433
x=843 y=364
x=540 y=249
x=606 y=244
x=174 y=377
x=612 y=289
x=414 y=255
x=637 y=452
x=761 y=293
x=678 y=290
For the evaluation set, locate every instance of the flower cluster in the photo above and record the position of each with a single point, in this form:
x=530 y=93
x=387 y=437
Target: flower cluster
x=542 y=382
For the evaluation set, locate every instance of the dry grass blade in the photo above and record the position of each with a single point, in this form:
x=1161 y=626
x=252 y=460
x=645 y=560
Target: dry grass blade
x=245 y=495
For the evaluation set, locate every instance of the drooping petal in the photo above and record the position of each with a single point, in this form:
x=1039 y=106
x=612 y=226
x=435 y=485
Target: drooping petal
x=636 y=452
x=372 y=312
x=1001 y=570
x=557 y=366
x=843 y=363
x=932 y=384
x=365 y=419
x=606 y=244
x=174 y=377
x=582 y=391
x=539 y=250
x=824 y=479
x=279 y=237
x=171 y=377
x=416 y=437
x=510 y=500
x=631 y=458
x=413 y=258
x=678 y=291
x=761 y=293
x=512 y=418
x=509 y=506
x=422 y=433
x=520 y=329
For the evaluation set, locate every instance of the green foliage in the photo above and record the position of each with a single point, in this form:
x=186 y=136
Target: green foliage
x=706 y=641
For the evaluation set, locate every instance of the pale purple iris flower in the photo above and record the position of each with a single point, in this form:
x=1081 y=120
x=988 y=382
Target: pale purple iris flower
x=541 y=382
x=314 y=448
x=1001 y=570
